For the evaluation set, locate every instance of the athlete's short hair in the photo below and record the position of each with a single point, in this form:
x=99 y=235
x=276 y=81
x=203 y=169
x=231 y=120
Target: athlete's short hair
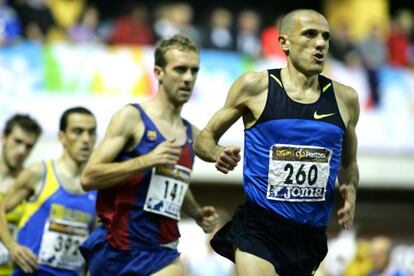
x=179 y=42
x=24 y=121
x=64 y=118
x=286 y=24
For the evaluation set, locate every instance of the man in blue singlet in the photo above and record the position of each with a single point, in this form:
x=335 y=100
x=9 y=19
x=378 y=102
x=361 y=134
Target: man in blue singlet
x=142 y=169
x=58 y=214
x=299 y=136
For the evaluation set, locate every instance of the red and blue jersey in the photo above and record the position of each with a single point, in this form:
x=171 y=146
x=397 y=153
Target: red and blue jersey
x=123 y=207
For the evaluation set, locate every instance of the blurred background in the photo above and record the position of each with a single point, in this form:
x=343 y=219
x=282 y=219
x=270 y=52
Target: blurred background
x=56 y=54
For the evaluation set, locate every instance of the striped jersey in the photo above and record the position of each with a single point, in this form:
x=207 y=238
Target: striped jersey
x=142 y=212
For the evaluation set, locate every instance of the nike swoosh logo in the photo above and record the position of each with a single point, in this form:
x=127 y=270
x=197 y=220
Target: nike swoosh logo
x=321 y=116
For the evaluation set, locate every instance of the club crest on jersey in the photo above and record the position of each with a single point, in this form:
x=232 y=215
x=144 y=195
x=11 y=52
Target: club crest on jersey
x=151 y=135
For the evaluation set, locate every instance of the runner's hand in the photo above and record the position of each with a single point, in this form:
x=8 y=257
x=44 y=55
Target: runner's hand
x=227 y=159
x=347 y=212
x=24 y=258
x=166 y=153
x=207 y=219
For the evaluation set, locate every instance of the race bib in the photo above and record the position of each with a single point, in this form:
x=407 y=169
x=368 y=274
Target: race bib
x=5 y=258
x=298 y=173
x=60 y=244
x=166 y=191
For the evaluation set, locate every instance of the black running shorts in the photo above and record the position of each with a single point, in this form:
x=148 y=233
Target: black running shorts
x=292 y=248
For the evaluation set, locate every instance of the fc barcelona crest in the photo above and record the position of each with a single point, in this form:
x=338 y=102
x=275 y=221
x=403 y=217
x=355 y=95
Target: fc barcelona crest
x=151 y=135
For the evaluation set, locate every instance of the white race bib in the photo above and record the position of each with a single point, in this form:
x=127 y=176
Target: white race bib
x=60 y=244
x=298 y=173
x=5 y=258
x=166 y=191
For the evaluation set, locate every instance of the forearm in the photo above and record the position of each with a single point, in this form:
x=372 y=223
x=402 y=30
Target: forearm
x=101 y=176
x=349 y=175
x=190 y=206
x=5 y=235
x=206 y=147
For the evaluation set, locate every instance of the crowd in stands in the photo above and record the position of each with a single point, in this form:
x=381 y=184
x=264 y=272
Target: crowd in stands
x=222 y=29
x=378 y=255
x=243 y=31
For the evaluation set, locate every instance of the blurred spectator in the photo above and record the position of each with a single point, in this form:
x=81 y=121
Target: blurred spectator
x=403 y=255
x=361 y=264
x=380 y=254
x=86 y=29
x=399 y=39
x=36 y=18
x=134 y=28
x=341 y=250
x=270 y=42
x=66 y=15
x=354 y=75
x=182 y=17
x=373 y=54
x=219 y=34
x=163 y=25
x=176 y=19
x=10 y=28
x=342 y=47
x=248 y=28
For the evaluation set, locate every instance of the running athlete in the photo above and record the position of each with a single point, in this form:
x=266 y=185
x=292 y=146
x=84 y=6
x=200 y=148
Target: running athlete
x=142 y=169
x=20 y=135
x=58 y=215
x=299 y=136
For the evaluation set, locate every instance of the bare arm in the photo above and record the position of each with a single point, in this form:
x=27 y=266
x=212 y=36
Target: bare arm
x=348 y=175
x=102 y=172
x=23 y=187
x=190 y=205
x=206 y=216
x=236 y=106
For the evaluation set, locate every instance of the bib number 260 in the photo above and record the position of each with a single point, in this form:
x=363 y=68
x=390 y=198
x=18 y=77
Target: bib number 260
x=301 y=175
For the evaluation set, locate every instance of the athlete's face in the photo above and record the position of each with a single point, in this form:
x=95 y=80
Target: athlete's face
x=307 y=42
x=79 y=137
x=17 y=146
x=178 y=76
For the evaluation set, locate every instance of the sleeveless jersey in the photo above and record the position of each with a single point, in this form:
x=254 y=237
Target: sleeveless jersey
x=54 y=224
x=292 y=154
x=142 y=212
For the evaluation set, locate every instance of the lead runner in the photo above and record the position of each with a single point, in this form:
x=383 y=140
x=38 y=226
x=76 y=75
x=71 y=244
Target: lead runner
x=299 y=136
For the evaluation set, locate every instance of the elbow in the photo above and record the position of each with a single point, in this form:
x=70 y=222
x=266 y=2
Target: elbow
x=349 y=164
x=86 y=182
x=197 y=145
x=200 y=142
